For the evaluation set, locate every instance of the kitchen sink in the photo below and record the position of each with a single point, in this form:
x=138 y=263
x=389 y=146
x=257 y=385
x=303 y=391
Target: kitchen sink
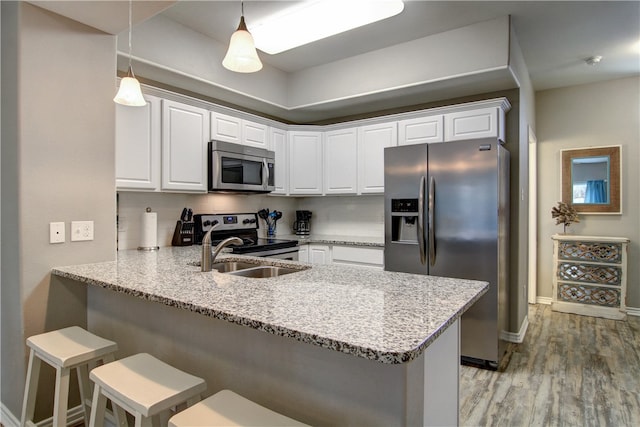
x=266 y=271
x=230 y=266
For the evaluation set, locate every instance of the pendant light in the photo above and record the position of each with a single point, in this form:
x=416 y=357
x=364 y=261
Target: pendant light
x=242 y=56
x=130 y=93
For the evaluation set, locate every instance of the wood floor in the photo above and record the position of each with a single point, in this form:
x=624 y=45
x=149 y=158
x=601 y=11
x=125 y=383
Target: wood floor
x=570 y=371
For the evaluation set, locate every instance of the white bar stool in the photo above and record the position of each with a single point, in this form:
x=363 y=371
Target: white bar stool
x=143 y=386
x=64 y=349
x=227 y=408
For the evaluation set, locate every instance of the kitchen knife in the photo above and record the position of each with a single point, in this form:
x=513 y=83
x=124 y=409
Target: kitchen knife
x=183 y=215
x=189 y=214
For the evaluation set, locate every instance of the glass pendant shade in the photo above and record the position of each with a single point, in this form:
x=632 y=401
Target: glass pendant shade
x=130 y=93
x=242 y=56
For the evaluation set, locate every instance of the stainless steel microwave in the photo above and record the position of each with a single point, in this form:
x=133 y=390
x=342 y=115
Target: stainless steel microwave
x=238 y=168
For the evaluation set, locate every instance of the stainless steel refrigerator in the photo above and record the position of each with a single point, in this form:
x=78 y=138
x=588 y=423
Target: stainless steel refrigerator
x=447 y=214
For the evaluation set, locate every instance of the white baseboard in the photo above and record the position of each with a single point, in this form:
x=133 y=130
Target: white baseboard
x=544 y=300
x=7 y=418
x=633 y=311
x=516 y=337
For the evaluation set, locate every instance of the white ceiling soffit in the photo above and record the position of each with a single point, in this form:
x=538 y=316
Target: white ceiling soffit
x=112 y=17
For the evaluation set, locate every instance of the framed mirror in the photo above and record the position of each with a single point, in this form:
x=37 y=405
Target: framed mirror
x=591 y=179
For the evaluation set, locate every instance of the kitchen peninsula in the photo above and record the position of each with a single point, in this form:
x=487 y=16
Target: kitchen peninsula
x=344 y=345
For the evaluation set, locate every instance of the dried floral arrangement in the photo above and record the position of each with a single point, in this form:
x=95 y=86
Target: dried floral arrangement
x=564 y=214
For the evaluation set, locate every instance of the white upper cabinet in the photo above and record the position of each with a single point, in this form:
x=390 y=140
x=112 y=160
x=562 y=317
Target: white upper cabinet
x=233 y=129
x=226 y=128
x=476 y=123
x=278 y=139
x=185 y=134
x=372 y=140
x=305 y=162
x=421 y=130
x=138 y=146
x=255 y=134
x=341 y=161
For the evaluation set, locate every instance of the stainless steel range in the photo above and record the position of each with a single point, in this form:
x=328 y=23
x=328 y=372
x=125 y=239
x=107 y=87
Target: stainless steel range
x=244 y=226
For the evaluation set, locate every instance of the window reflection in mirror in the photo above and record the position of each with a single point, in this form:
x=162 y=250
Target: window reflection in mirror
x=591 y=179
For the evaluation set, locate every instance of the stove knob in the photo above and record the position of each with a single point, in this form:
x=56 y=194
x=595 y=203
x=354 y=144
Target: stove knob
x=215 y=221
x=206 y=223
x=246 y=221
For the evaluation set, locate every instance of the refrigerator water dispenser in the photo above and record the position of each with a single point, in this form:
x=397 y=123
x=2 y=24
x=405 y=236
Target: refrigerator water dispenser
x=404 y=220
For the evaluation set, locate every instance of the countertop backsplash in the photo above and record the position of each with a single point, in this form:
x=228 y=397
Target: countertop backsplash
x=332 y=215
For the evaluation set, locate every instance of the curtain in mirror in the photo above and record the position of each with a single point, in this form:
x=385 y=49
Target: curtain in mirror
x=596 y=191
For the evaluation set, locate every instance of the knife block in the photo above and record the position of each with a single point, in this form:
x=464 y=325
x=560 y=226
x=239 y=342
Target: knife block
x=183 y=234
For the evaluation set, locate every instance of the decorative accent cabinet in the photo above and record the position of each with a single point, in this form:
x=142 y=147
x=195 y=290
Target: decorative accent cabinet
x=590 y=275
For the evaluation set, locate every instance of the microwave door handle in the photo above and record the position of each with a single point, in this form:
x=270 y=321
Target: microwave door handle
x=265 y=174
x=421 y=243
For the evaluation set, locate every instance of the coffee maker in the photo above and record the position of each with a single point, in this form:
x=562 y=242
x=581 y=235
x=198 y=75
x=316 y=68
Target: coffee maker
x=302 y=224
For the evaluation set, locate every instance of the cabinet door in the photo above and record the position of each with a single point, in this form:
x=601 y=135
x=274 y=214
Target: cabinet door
x=421 y=130
x=303 y=253
x=341 y=161
x=319 y=254
x=255 y=134
x=305 y=162
x=279 y=146
x=479 y=123
x=138 y=146
x=226 y=128
x=362 y=256
x=372 y=141
x=185 y=133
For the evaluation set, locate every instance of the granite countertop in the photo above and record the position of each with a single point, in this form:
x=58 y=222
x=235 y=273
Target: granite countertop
x=378 y=315
x=331 y=239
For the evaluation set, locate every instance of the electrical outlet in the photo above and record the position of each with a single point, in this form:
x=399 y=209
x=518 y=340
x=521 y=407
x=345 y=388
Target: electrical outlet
x=81 y=230
x=56 y=232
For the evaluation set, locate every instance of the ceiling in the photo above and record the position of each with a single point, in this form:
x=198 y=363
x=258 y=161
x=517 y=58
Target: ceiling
x=555 y=38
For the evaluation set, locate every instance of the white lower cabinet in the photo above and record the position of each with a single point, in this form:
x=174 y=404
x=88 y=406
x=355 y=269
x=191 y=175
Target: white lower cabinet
x=363 y=256
x=305 y=162
x=355 y=255
x=185 y=134
x=372 y=140
x=138 y=146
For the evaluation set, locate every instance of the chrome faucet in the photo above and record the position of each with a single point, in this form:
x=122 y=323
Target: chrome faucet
x=207 y=257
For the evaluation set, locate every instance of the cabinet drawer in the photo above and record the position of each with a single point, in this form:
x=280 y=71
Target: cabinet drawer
x=590 y=273
x=586 y=294
x=358 y=255
x=590 y=251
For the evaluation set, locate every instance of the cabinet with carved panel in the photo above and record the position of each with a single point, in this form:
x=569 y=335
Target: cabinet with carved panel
x=590 y=275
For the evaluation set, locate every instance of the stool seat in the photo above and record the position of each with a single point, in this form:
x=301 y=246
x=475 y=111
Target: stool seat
x=227 y=408
x=143 y=386
x=64 y=349
x=70 y=346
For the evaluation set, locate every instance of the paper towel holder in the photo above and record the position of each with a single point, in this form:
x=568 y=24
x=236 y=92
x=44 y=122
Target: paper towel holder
x=144 y=225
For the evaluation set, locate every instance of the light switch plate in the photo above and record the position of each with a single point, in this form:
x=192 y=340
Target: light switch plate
x=56 y=232
x=81 y=230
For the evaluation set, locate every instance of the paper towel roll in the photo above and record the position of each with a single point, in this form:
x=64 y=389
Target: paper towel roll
x=149 y=231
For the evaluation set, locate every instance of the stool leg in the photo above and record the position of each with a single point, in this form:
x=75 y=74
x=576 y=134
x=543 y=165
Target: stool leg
x=85 y=390
x=120 y=415
x=142 y=421
x=61 y=397
x=31 y=387
x=98 y=408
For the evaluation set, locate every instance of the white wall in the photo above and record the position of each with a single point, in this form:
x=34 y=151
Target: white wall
x=584 y=116
x=361 y=216
x=59 y=156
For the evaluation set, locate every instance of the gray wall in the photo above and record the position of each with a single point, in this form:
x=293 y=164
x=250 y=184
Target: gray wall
x=57 y=165
x=584 y=116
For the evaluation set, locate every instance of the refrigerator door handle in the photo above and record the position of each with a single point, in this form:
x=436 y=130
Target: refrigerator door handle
x=432 y=225
x=421 y=242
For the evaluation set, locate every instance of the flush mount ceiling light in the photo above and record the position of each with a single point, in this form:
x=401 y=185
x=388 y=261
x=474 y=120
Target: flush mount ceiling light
x=318 y=19
x=129 y=92
x=242 y=56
